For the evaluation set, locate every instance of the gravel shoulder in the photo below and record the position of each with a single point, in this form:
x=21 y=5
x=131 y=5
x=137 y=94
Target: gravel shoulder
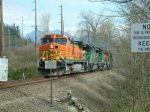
x=86 y=93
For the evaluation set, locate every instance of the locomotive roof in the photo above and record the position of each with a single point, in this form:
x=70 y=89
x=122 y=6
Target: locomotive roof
x=88 y=46
x=64 y=36
x=54 y=36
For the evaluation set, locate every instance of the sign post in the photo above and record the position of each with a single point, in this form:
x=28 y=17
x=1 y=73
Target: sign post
x=140 y=37
x=51 y=87
x=51 y=65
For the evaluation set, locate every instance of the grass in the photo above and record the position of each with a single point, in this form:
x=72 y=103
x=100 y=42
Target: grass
x=29 y=72
x=127 y=107
x=22 y=60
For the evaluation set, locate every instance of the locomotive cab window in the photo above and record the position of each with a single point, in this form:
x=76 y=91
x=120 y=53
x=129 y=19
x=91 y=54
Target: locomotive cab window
x=46 y=40
x=62 y=41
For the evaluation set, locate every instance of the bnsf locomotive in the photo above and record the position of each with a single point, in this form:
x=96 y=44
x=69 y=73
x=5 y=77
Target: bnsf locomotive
x=61 y=55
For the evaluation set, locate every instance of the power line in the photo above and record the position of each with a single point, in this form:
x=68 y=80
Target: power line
x=62 y=20
x=35 y=2
x=108 y=16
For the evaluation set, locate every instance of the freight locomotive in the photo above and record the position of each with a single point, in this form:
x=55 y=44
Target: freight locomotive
x=62 y=55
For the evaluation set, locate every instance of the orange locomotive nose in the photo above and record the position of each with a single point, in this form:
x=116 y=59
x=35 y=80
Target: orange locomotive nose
x=55 y=47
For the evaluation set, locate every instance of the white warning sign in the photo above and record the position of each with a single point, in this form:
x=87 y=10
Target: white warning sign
x=3 y=69
x=50 y=64
x=140 y=37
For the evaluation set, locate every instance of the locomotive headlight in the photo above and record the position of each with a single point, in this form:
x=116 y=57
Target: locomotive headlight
x=51 y=46
x=43 y=58
x=57 y=58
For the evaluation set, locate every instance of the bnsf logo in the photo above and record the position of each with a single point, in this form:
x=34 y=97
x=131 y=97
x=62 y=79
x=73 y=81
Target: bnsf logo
x=53 y=52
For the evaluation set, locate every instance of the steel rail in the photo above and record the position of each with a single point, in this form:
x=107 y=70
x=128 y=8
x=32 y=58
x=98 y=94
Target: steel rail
x=10 y=84
x=16 y=83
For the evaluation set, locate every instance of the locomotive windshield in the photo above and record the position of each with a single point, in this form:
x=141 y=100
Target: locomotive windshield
x=62 y=41
x=46 y=40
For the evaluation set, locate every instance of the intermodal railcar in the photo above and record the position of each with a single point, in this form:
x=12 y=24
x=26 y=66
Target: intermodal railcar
x=62 y=55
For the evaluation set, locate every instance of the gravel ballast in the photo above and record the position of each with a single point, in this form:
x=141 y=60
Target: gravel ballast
x=84 y=93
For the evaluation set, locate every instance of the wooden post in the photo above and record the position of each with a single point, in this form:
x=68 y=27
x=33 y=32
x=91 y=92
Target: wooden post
x=1 y=28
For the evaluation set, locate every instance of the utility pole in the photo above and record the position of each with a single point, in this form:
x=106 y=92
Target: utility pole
x=35 y=23
x=9 y=39
x=62 y=20
x=1 y=28
x=88 y=34
x=22 y=26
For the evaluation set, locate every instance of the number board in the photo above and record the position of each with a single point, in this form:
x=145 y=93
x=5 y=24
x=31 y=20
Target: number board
x=140 y=37
x=50 y=64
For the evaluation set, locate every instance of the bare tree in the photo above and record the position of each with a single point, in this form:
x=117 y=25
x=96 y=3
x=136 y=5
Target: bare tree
x=89 y=25
x=96 y=30
x=45 y=19
x=136 y=11
x=106 y=34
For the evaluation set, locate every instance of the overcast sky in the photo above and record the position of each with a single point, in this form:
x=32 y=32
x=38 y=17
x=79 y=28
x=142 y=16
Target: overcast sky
x=15 y=9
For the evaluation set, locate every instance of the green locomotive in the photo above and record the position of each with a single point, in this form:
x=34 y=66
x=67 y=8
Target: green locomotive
x=96 y=58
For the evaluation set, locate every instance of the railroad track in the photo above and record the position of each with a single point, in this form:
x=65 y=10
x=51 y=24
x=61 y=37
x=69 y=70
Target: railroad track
x=10 y=84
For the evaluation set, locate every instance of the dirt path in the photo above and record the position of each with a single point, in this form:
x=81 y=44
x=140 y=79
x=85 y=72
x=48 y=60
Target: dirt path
x=87 y=93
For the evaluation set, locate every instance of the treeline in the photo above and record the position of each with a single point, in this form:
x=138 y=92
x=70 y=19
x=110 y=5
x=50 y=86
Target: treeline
x=134 y=67
x=96 y=30
x=20 y=52
x=13 y=37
